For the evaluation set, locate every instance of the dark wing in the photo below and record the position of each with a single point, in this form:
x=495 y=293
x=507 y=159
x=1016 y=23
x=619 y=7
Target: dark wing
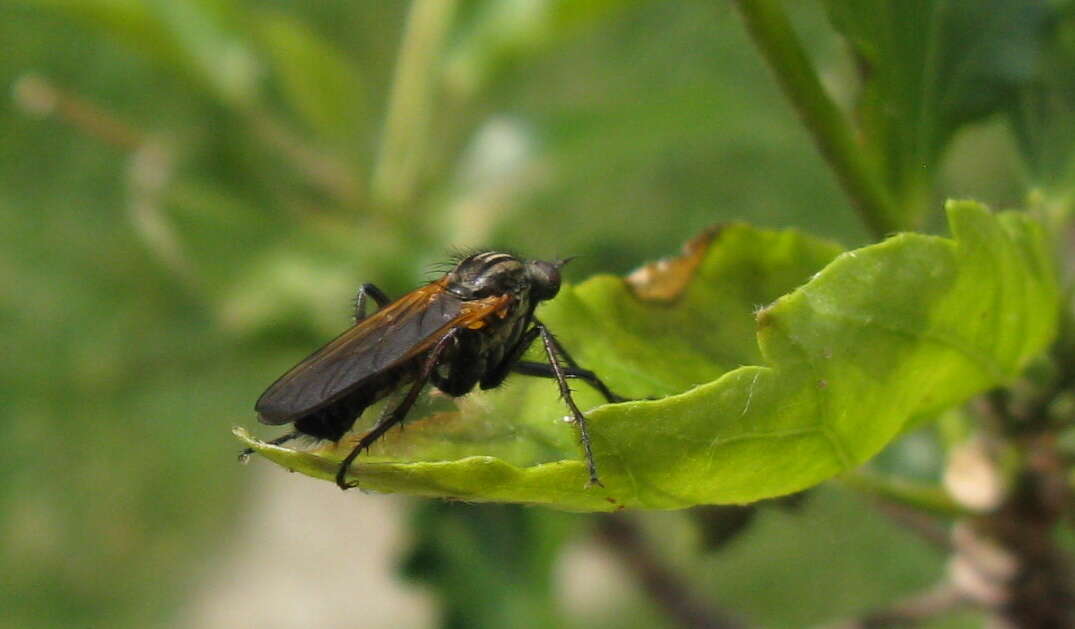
x=404 y=328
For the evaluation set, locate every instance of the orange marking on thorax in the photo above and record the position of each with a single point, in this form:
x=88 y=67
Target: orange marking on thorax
x=502 y=313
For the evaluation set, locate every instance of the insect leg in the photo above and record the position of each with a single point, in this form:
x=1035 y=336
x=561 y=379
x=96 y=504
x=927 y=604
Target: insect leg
x=391 y=419
x=583 y=374
x=565 y=392
x=495 y=378
x=360 y=300
x=544 y=370
x=556 y=343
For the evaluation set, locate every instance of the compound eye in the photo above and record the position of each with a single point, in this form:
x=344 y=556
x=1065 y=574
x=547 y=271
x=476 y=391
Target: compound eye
x=544 y=279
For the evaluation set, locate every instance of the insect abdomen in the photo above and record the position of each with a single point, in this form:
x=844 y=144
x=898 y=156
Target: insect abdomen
x=333 y=420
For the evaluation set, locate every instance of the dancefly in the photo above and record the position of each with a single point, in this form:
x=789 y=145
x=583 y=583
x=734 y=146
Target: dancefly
x=468 y=329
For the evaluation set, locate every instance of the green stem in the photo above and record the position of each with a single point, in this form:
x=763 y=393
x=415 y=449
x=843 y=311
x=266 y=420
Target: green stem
x=923 y=498
x=410 y=104
x=772 y=33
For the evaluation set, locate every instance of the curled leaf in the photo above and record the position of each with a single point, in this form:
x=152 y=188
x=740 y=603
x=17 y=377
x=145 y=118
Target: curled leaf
x=849 y=348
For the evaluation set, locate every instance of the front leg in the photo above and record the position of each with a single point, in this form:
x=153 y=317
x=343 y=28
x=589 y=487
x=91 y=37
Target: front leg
x=572 y=371
x=559 y=348
x=360 y=300
x=512 y=362
x=565 y=393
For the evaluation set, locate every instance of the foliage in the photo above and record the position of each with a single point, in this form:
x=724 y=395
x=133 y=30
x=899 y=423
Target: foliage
x=193 y=190
x=929 y=69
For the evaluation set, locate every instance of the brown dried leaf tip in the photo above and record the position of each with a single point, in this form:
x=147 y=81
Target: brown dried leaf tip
x=667 y=278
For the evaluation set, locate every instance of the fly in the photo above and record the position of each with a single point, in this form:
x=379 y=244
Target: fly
x=469 y=328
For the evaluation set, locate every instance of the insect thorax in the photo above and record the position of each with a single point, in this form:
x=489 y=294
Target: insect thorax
x=488 y=273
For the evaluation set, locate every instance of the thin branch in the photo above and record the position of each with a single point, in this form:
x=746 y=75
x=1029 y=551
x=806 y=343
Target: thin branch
x=925 y=498
x=38 y=96
x=925 y=527
x=150 y=163
x=940 y=599
x=913 y=507
x=669 y=590
x=772 y=33
x=331 y=175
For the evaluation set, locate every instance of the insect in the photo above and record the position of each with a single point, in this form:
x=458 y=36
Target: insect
x=469 y=328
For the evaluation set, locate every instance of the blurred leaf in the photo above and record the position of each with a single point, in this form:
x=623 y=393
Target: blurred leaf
x=196 y=39
x=835 y=555
x=491 y=564
x=1043 y=113
x=603 y=145
x=128 y=21
x=207 y=34
x=931 y=66
x=914 y=324
x=319 y=81
x=499 y=33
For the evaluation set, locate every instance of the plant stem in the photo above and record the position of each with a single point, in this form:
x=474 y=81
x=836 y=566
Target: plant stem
x=830 y=128
x=410 y=106
x=1040 y=591
x=38 y=96
x=925 y=499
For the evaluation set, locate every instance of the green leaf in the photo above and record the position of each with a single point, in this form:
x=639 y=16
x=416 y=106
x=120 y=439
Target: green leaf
x=931 y=66
x=318 y=80
x=1042 y=115
x=209 y=35
x=502 y=33
x=884 y=333
x=129 y=21
x=198 y=40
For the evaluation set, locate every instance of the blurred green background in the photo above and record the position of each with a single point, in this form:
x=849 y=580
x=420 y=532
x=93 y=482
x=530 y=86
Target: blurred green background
x=192 y=191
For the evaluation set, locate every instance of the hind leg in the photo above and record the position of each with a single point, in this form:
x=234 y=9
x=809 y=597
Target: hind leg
x=397 y=414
